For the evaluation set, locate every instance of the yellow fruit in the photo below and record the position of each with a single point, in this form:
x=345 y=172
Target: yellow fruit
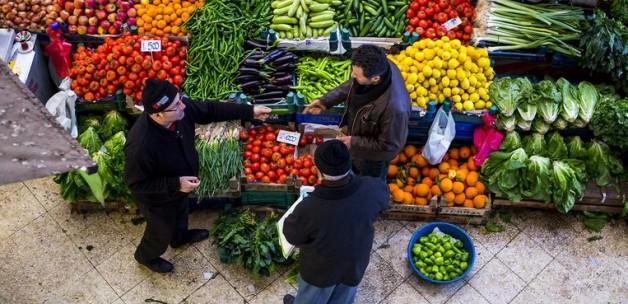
x=484 y=62
x=413 y=95
x=464 y=83
x=485 y=97
x=429 y=53
x=419 y=56
x=480 y=105
x=438 y=63
x=455 y=43
x=471 y=90
x=467 y=65
x=468 y=106
x=455 y=91
x=456 y=99
x=473 y=81
x=441 y=97
x=445 y=81
x=454 y=83
x=434 y=88
x=409 y=87
x=411 y=51
x=432 y=96
x=445 y=55
x=489 y=104
x=422 y=91
x=436 y=73
x=427 y=71
x=482 y=52
x=412 y=78
x=465 y=96
x=421 y=44
x=453 y=63
x=458 y=106
x=433 y=83
x=462 y=57
x=451 y=73
x=445 y=39
x=482 y=91
x=474 y=97
x=460 y=74
x=421 y=76
x=413 y=69
x=439 y=43
x=447 y=92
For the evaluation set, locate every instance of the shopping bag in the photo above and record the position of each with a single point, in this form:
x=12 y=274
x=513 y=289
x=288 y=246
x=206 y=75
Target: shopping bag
x=62 y=105
x=288 y=249
x=440 y=136
x=486 y=139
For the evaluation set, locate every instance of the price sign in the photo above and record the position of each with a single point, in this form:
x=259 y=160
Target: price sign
x=151 y=45
x=452 y=23
x=291 y=138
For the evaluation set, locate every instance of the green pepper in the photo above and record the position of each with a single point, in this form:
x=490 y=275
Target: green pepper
x=463 y=266
x=423 y=254
x=439 y=276
x=455 y=263
x=465 y=256
x=431 y=246
x=420 y=264
x=423 y=239
x=423 y=271
x=456 y=249
x=450 y=268
x=441 y=249
x=459 y=244
x=438 y=255
x=453 y=274
x=447 y=245
x=447 y=238
x=449 y=253
x=439 y=261
x=435 y=268
x=433 y=239
x=446 y=277
x=428 y=261
x=458 y=256
x=416 y=250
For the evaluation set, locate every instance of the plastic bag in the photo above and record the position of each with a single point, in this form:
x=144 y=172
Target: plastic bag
x=486 y=139
x=61 y=106
x=441 y=134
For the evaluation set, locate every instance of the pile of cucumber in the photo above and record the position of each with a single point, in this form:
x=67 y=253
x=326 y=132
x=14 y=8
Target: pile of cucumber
x=299 y=19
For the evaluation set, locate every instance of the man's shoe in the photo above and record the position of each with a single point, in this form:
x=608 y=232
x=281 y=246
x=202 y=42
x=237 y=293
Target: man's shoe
x=191 y=236
x=288 y=299
x=158 y=265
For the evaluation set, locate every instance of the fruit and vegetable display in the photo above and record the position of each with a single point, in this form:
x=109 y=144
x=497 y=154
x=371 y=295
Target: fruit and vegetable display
x=268 y=161
x=550 y=169
x=33 y=15
x=544 y=106
x=372 y=18
x=249 y=240
x=216 y=52
x=266 y=76
x=436 y=19
x=440 y=257
x=412 y=180
x=219 y=157
x=97 y=17
x=119 y=64
x=164 y=17
x=446 y=70
x=317 y=76
x=303 y=18
x=610 y=120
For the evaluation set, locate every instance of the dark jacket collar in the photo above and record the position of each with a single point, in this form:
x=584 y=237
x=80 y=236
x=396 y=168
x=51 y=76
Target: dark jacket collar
x=337 y=189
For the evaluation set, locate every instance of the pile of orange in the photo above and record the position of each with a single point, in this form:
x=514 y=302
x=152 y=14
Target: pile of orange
x=164 y=17
x=456 y=179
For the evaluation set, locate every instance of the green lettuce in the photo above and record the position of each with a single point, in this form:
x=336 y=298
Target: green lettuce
x=540 y=126
x=576 y=148
x=506 y=93
x=560 y=124
x=527 y=108
x=506 y=178
x=90 y=140
x=566 y=187
x=537 y=178
x=601 y=165
x=570 y=109
x=506 y=123
x=534 y=144
x=556 y=147
x=548 y=100
x=610 y=121
x=587 y=99
x=511 y=142
x=115 y=152
x=88 y=121
x=113 y=122
x=522 y=124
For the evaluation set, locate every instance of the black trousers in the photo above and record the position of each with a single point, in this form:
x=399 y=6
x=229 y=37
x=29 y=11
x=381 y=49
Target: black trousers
x=164 y=224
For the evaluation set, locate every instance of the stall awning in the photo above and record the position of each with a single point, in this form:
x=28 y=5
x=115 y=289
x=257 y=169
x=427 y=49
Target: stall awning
x=32 y=144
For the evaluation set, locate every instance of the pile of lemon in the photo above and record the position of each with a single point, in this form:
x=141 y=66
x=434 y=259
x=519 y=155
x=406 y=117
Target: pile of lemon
x=446 y=70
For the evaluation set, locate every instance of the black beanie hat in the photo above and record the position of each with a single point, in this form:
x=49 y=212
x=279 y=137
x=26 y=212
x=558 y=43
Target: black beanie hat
x=158 y=95
x=332 y=158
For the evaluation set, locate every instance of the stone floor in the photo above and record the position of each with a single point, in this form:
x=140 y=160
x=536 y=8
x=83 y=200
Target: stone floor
x=48 y=255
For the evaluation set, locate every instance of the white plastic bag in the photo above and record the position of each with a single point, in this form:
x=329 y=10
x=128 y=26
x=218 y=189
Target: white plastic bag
x=61 y=106
x=442 y=133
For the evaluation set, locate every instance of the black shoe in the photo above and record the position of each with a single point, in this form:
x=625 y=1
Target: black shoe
x=158 y=265
x=288 y=299
x=191 y=236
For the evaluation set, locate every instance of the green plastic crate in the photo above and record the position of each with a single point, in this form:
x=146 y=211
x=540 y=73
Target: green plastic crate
x=275 y=199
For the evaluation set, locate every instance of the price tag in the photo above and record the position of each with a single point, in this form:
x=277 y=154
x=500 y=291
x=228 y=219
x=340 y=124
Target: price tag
x=291 y=138
x=452 y=23
x=151 y=45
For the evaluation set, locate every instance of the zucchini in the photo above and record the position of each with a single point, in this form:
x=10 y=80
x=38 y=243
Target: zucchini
x=322 y=24
x=323 y=1
x=317 y=7
x=303 y=24
x=284 y=20
x=324 y=17
x=280 y=4
x=281 y=27
x=304 y=6
x=293 y=9
x=281 y=11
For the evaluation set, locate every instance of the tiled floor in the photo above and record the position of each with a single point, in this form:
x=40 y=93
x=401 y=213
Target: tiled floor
x=48 y=255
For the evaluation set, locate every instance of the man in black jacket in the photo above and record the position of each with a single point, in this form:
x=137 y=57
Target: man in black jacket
x=333 y=228
x=161 y=165
x=377 y=110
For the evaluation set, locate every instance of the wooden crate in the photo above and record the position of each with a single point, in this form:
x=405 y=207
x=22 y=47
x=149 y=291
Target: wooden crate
x=402 y=212
x=444 y=210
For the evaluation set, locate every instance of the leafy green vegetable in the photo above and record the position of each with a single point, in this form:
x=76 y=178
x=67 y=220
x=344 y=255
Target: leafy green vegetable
x=556 y=147
x=610 y=121
x=77 y=185
x=587 y=99
x=534 y=144
x=560 y=124
x=511 y=142
x=90 y=140
x=537 y=178
x=506 y=93
x=115 y=165
x=576 y=148
x=566 y=186
x=113 y=122
x=522 y=124
x=494 y=228
x=540 y=126
x=602 y=166
x=88 y=121
x=594 y=222
x=506 y=177
x=527 y=107
x=570 y=109
x=549 y=100
x=506 y=123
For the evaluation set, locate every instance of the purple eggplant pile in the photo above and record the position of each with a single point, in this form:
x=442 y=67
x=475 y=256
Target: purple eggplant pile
x=266 y=76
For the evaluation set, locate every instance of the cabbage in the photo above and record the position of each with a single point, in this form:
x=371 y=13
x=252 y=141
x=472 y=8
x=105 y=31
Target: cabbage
x=506 y=123
x=566 y=187
x=576 y=148
x=539 y=126
x=511 y=142
x=113 y=123
x=556 y=148
x=90 y=140
x=537 y=178
x=570 y=109
x=560 y=124
x=506 y=93
x=534 y=144
x=587 y=99
x=548 y=100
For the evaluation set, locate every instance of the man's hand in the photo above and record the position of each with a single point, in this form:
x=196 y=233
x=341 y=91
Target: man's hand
x=188 y=183
x=315 y=107
x=345 y=140
x=261 y=112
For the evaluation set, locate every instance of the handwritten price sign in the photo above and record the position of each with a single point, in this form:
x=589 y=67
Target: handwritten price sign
x=151 y=45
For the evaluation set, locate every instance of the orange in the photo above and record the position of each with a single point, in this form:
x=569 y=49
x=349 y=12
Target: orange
x=428 y=181
x=461 y=175
x=411 y=181
x=481 y=188
x=449 y=197
x=468 y=203
x=397 y=195
x=408 y=199
x=395 y=160
x=443 y=167
x=480 y=201
x=434 y=173
x=392 y=171
x=459 y=199
x=446 y=158
x=458 y=188
x=400 y=184
x=465 y=152
x=409 y=151
x=471 y=165
x=421 y=190
x=414 y=172
x=435 y=190
x=420 y=161
x=446 y=184
x=392 y=187
x=471 y=192
x=425 y=171
x=408 y=188
x=472 y=178
x=421 y=201
x=454 y=153
x=403 y=158
x=453 y=164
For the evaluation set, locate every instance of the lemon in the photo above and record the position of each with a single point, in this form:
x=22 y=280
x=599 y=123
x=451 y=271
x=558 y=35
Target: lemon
x=480 y=105
x=412 y=78
x=432 y=96
x=468 y=106
x=464 y=83
x=481 y=78
x=460 y=74
x=423 y=104
x=471 y=90
x=404 y=75
x=468 y=65
x=436 y=73
x=408 y=61
x=471 y=52
x=419 y=65
x=413 y=95
x=482 y=91
x=422 y=91
x=482 y=53
x=473 y=81
x=427 y=71
x=439 y=43
x=445 y=81
x=441 y=97
x=474 y=97
x=430 y=44
x=455 y=43
x=458 y=106
x=411 y=51
x=445 y=55
x=454 y=53
x=454 y=83
x=438 y=63
x=456 y=98
x=474 y=68
x=433 y=83
x=431 y=63
x=455 y=91
x=429 y=53
x=447 y=92
x=421 y=44
x=413 y=69
x=465 y=96
x=485 y=97
x=419 y=56
x=451 y=73
x=446 y=47
x=404 y=68
x=421 y=77
x=489 y=104
x=409 y=87
x=462 y=57
x=484 y=62
x=445 y=39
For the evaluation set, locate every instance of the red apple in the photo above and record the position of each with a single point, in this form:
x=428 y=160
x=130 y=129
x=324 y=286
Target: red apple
x=111 y=18
x=73 y=20
x=101 y=30
x=89 y=12
x=131 y=21
x=90 y=3
x=83 y=20
x=81 y=30
x=68 y=6
x=110 y=8
x=103 y=2
x=93 y=21
x=91 y=30
x=131 y=12
x=64 y=15
x=100 y=14
x=72 y=29
x=105 y=24
x=112 y=30
x=79 y=4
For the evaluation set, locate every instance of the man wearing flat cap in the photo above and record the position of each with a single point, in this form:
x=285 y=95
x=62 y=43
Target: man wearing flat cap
x=161 y=165
x=333 y=228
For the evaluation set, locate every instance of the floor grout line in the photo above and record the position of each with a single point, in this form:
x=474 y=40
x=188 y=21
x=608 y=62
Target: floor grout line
x=528 y=283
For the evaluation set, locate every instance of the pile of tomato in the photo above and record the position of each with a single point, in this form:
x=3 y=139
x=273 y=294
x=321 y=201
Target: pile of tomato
x=268 y=161
x=427 y=18
x=118 y=63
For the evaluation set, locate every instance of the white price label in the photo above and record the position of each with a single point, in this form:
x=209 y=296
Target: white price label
x=291 y=138
x=151 y=45
x=452 y=23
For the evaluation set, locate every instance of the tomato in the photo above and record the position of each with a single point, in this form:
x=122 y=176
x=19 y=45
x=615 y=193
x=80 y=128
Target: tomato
x=255 y=166
x=281 y=163
x=280 y=171
x=270 y=137
x=312 y=180
x=171 y=51
x=409 y=28
x=423 y=24
x=302 y=142
x=314 y=170
x=291 y=150
x=419 y=30
x=250 y=178
x=248 y=154
x=175 y=60
x=265 y=179
x=248 y=171
x=272 y=176
x=468 y=29
x=259 y=175
x=303 y=180
x=282 y=179
x=289 y=160
x=257 y=142
x=276 y=156
x=166 y=66
x=298 y=164
x=270 y=129
x=414 y=21
x=275 y=148
x=423 y=3
x=268 y=144
x=284 y=151
x=252 y=133
x=255 y=157
x=248 y=147
x=429 y=11
x=266 y=152
x=452 y=14
x=431 y=33
x=319 y=140
x=244 y=136
x=305 y=172
x=410 y=14
x=307 y=163
x=264 y=167
x=443 y=4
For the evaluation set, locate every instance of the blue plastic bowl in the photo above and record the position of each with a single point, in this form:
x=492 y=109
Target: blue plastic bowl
x=455 y=232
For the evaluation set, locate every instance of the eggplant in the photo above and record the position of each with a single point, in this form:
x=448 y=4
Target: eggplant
x=250 y=44
x=246 y=78
x=272 y=56
x=251 y=85
x=288 y=67
x=271 y=94
x=280 y=74
x=267 y=100
x=272 y=87
x=243 y=70
x=252 y=63
x=287 y=58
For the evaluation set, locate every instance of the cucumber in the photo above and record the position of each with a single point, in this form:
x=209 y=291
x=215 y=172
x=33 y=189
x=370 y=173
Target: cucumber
x=336 y=3
x=321 y=24
x=293 y=9
x=309 y=32
x=281 y=27
x=284 y=20
x=317 y=7
x=304 y=6
x=303 y=24
x=299 y=11
x=325 y=17
x=328 y=30
x=281 y=11
x=323 y=1
x=280 y=4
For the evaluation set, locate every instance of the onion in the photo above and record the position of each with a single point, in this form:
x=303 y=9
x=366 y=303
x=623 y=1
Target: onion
x=22 y=14
x=50 y=8
x=35 y=8
x=36 y=19
x=6 y=8
x=21 y=7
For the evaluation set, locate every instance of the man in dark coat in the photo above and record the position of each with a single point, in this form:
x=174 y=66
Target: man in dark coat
x=333 y=228
x=161 y=165
x=377 y=110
